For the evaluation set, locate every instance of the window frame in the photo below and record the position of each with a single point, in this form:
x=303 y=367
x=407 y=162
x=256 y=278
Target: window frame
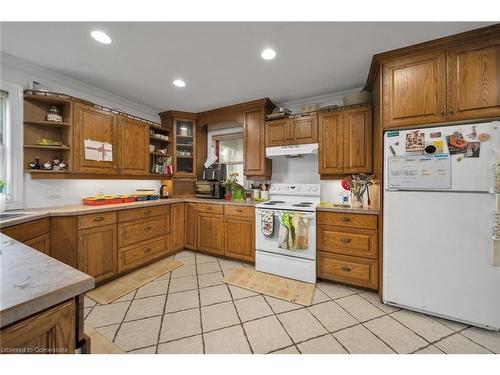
x=14 y=154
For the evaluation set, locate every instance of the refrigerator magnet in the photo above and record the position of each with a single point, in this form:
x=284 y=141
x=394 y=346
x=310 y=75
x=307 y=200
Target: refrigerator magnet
x=483 y=137
x=435 y=135
x=472 y=150
x=415 y=141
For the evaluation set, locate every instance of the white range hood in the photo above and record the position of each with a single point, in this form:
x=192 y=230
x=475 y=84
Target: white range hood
x=292 y=150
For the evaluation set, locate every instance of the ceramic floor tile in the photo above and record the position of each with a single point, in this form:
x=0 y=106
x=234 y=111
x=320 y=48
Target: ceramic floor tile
x=360 y=308
x=321 y=345
x=148 y=350
x=180 y=324
x=430 y=329
x=374 y=299
x=334 y=291
x=184 y=254
x=218 y=316
x=238 y=293
x=108 y=331
x=252 y=308
x=332 y=316
x=397 y=336
x=202 y=258
x=86 y=312
x=145 y=308
x=182 y=301
x=319 y=296
x=88 y=302
x=456 y=326
x=126 y=297
x=227 y=265
x=359 y=340
x=289 y=350
x=266 y=335
x=458 y=344
x=185 y=270
x=189 y=345
x=187 y=261
x=431 y=349
x=214 y=294
x=488 y=339
x=301 y=325
x=165 y=276
x=154 y=288
x=279 y=305
x=138 y=334
x=230 y=340
x=210 y=279
x=103 y=315
x=180 y=284
x=208 y=268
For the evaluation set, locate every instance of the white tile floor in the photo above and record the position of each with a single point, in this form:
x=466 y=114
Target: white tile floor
x=192 y=310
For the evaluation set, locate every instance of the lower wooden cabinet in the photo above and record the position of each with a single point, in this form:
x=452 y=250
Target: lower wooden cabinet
x=240 y=238
x=177 y=212
x=210 y=233
x=137 y=255
x=40 y=243
x=190 y=226
x=97 y=252
x=52 y=331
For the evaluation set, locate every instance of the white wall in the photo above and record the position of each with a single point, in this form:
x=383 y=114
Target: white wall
x=37 y=193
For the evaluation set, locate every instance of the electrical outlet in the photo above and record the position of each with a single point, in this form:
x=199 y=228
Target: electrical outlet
x=100 y=190
x=55 y=193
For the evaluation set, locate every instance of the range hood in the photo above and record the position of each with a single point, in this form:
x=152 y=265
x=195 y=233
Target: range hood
x=292 y=150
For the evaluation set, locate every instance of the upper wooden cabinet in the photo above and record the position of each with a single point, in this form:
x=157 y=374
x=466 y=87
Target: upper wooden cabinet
x=345 y=141
x=133 y=146
x=184 y=147
x=474 y=80
x=414 y=89
x=292 y=131
x=97 y=125
x=256 y=165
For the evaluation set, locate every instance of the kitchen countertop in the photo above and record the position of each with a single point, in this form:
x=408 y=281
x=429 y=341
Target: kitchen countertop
x=220 y=201
x=353 y=210
x=32 y=281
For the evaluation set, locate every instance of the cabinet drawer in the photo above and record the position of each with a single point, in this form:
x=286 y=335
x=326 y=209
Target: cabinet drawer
x=142 y=230
x=239 y=211
x=350 y=241
x=96 y=220
x=143 y=213
x=210 y=208
x=346 y=269
x=27 y=231
x=134 y=256
x=348 y=220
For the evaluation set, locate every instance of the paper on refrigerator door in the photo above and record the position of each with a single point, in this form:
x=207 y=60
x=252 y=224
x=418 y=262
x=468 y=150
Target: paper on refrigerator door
x=419 y=172
x=98 y=151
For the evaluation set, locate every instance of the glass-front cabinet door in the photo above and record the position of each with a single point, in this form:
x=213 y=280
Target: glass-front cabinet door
x=185 y=147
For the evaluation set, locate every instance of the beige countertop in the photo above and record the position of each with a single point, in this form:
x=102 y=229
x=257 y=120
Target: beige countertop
x=220 y=201
x=32 y=281
x=353 y=210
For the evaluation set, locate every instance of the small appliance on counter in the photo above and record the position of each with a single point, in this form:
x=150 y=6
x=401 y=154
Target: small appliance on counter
x=210 y=186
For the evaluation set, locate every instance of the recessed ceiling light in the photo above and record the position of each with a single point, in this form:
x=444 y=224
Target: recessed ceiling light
x=268 y=54
x=101 y=37
x=179 y=83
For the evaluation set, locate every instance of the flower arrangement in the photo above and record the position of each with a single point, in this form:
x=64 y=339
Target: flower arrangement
x=358 y=186
x=232 y=187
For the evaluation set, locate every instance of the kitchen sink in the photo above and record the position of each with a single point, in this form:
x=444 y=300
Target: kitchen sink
x=11 y=215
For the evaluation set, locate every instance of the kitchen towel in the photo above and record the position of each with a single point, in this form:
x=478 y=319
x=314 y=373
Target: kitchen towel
x=267 y=223
x=286 y=234
x=300 y=224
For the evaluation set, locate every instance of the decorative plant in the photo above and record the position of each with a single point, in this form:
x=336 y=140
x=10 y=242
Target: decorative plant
x=231 y=183
x=358 y=185
x=2 y=185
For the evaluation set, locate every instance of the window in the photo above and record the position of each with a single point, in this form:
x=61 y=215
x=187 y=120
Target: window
x=11 y=138
x=229 y=150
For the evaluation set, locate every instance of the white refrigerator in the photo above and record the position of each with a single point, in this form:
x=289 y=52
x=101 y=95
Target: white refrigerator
x=441 y=256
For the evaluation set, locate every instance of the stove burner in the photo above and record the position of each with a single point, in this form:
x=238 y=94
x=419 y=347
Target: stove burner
x=272 y=203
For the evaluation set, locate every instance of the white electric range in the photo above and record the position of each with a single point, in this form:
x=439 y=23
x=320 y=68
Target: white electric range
x=297 y=264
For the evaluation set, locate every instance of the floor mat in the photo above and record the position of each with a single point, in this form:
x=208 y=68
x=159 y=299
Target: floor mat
x=115 y=289
x=100 y=344
x=272 y=285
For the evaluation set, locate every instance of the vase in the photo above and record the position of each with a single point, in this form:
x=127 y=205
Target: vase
x=356 y=201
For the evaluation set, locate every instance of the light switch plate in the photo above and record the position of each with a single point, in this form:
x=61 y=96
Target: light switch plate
x=55 y=193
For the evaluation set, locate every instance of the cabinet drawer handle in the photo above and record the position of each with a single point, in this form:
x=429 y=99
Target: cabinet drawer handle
x=345 y=240
x=209 y=208
x=239 y=210
x=99 y=218
x=148 y=228
x=147 y=250
x=345 y=269
x=147 y=212
x=345 y=219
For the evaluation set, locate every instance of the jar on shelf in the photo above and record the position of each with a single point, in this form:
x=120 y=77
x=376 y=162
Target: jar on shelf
x=54 y=114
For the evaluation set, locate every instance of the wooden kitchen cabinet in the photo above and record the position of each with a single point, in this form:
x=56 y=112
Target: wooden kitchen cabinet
x=52 y=331
x=92 y=123
x=35 y=234
x=178 y=225
x=239 y=232
x=40 y=243
x=190 y=226
x=345 y=141
x=292 y=131
x=414 y=89
x=210 y=233
x=474 y=80
x=97 y=252
x=133 y=146
x=256 y=165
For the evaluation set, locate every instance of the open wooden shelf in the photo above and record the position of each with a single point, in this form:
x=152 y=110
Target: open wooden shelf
x=48 y=123
x=48 y=147
x=158 y=139
x=44 y=171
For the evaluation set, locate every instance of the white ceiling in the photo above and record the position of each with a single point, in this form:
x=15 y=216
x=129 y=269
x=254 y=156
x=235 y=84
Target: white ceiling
x=220 y=62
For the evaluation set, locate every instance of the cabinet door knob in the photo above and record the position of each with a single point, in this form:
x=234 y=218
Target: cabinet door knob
x=345 y=240
x=148 y=228
x=147 y=250
x=99 y=218
x=345 y=269
x=239 y=210
x=147 y=212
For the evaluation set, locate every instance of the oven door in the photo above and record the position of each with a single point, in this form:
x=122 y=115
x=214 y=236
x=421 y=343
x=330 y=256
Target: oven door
x=271 y=244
